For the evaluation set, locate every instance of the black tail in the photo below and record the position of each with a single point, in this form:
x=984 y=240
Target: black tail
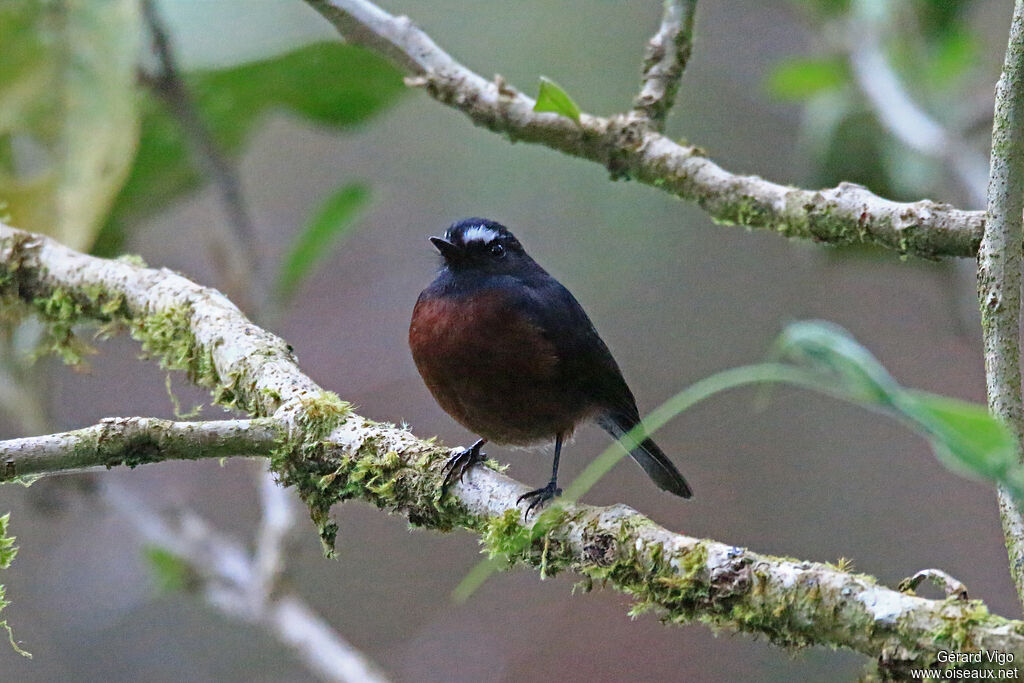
x=655 y=463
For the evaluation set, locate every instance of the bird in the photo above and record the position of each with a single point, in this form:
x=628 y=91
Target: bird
x=510 y=354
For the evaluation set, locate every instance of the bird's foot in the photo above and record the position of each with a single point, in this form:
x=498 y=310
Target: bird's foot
x=538 y=497
x=460 y=463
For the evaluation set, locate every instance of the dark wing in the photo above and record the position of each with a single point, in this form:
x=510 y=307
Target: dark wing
x=587 y=364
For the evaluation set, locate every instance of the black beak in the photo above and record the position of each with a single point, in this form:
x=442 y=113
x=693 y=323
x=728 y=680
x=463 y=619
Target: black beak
x=449 y=251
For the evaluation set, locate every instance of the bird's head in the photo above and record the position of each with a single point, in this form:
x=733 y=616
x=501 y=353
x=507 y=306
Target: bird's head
x=480 y=244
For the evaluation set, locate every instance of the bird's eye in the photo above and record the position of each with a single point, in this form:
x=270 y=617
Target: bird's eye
x=497 y=251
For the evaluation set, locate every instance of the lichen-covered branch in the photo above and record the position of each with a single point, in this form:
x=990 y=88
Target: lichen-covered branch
x=629 y=148
x=999 y=270
x=665 y=59
x=332 y=455
x=135 y=441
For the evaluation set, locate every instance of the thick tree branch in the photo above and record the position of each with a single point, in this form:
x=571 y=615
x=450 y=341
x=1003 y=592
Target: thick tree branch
x=331 y=455
x=999 y=270
x=665 y=59
x=626 y=146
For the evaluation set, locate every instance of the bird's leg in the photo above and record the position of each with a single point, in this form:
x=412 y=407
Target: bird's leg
x=538 y=497
x=459 y=463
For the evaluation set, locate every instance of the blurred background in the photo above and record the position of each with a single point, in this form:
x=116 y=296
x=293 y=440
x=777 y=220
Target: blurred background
x=792 y=91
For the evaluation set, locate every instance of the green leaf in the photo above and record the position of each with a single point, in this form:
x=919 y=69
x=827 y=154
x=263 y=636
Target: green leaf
x=170 y=572
x=965 y=436
x=955 y=53
x=331 y=84
x=68 y=120
x=799 y=78
x=552 y=98
x=830 y=351
x=332 y=221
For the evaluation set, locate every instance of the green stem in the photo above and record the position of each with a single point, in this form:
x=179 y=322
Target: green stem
x=688 y=397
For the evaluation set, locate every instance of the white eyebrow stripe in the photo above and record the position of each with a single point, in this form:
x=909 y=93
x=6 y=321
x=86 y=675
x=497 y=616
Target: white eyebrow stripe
x=479 y=233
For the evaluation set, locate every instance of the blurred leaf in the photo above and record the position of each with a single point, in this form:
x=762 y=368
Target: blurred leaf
x=825 y=8
x=332 y=84
x=938 y=18
x=552 y=98
x=856 y=154
x=837 y=358
x=955 y=53
x=910 y=173
x=332 y=221
x=823 y=357
x=170 y=572
x=799 y=78
x=966 y=437
x=68 y=119
x=822 y=117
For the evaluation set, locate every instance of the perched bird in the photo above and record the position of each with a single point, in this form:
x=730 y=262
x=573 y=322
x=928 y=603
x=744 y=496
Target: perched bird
x=508 y=352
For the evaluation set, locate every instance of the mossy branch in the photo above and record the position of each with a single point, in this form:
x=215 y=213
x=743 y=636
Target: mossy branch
x=631 y=148
x=999 y=271
x=331 y=454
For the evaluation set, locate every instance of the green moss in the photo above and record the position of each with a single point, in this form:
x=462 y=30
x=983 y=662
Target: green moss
x=747 y=211
x=132 y=260
x=678 y=586
x=302 y=461
x=60 y=312
x=140 y=449
x=409 y=482
x=7 y=553
x=167 y=336
x=320 y=414
x=507 y=536
x=960 y=619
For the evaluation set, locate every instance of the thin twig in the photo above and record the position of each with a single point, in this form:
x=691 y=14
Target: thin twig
x=277 y=521
x=230 y=579
x=239 y=257
x=952 y=587
x=999 y=270
x=665 y=59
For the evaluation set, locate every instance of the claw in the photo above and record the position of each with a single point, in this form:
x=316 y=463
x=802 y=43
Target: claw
x=538 y=497
x=460 y=463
